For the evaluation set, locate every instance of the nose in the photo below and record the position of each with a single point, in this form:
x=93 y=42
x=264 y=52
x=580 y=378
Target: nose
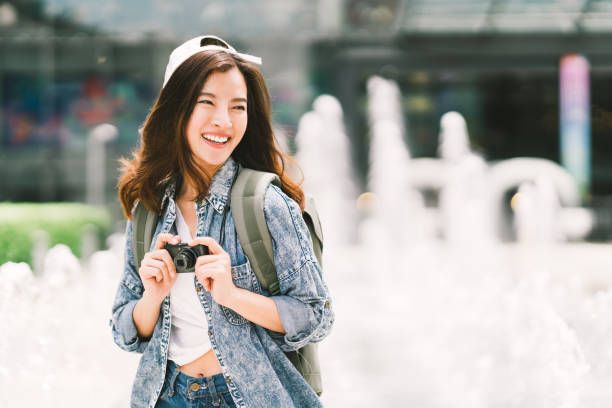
x=221 y=118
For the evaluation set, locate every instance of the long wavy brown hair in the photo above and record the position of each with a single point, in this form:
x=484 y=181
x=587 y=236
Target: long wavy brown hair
x=164 y=151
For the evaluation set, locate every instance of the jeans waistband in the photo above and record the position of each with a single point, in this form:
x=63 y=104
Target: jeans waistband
x=195 y=387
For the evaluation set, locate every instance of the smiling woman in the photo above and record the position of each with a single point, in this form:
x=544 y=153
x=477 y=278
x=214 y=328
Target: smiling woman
x=214 y=337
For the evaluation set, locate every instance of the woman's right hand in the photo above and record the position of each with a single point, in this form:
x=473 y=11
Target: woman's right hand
x=157 y=270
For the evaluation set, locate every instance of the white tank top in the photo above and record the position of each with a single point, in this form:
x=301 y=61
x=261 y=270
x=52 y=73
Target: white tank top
x=189 y=330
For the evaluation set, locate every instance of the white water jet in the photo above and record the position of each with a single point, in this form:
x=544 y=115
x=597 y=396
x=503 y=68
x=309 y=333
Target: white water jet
x=574 y=222
x=464 y=200
x=40 y=246
x=331 y=112
x=398 y=206
x=537 y=208
x=60 y=266
x=385 y=102
x=323 y=151
x=15 y=279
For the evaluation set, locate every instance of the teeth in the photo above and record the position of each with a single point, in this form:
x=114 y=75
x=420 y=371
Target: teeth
x=215 y=138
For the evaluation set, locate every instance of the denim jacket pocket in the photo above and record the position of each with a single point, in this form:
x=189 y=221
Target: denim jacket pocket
x=243 y=277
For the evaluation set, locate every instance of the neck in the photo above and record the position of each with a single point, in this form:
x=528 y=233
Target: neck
x=187 y=191
x=209 y=169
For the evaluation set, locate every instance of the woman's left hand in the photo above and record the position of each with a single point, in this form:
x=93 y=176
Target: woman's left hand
x=214 y=271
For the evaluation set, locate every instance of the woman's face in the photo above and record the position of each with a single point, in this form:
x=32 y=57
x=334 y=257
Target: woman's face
x=219 y=119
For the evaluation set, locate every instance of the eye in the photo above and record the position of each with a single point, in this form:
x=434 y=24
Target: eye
x=240 y=107
x=206 y=102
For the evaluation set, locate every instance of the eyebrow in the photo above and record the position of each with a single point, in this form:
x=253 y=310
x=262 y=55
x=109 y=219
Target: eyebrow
x=213 y=96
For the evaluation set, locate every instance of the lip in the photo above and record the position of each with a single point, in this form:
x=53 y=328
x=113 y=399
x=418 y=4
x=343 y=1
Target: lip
x=212 y=144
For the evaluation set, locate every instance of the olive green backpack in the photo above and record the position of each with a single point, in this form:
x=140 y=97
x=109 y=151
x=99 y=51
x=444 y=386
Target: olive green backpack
x=247 y=205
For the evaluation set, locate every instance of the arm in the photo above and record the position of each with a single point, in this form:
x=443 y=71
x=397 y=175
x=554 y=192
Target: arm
x=304 y=303
x=136 y=308
x=302 y=313
x=256 y=308
x=158 y=275
x=129 y=292
x=146 y=314
x=214 y=273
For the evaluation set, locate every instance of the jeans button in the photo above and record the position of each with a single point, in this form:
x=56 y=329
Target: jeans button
x=195 y=387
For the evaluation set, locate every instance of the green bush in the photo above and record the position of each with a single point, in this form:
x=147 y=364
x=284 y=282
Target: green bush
x=64 y=222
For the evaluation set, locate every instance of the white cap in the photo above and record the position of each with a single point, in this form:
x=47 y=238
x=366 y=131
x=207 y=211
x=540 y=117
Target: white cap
x=193 y=46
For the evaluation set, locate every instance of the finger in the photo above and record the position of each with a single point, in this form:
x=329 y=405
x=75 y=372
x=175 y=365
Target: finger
x=162 y=239
x=154 y=263
x=205 y=276
x=150 y=272
x=213 y=246
x=212 y=272
x=163 y=256
x=161 y=265
x=169 y=263
x=201 y=271
x=204 y=281
x=208 y=259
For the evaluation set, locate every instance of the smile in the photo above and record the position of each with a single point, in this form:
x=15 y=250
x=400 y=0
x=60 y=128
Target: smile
x=215 y=139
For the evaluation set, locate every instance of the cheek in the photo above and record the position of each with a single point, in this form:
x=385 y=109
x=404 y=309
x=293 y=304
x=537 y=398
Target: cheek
x=241 y=125
x=192 y=134
x=198 y=117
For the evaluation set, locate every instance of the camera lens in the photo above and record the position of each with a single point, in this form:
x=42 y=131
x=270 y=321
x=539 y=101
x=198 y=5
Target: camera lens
x=185 y=259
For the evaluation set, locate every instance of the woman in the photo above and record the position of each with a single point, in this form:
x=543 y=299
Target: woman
x=213 y=337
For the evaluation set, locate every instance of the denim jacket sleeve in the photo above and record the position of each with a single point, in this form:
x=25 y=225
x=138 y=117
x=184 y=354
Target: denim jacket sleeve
x=129 y=292
x=304 y=304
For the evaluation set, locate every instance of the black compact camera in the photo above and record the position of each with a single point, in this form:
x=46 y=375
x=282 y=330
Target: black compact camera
x=185 y=256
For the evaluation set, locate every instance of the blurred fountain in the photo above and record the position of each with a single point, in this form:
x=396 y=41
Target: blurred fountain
x=106 y=265
x=331 y=112
x=116 y=244
x=463 y=201
x=323 y=151
x=89 y=241
x=55 y=333
x=60 y=266
x=15 y=279
x=385 y=102
x=398 y=206
x=573 y=221
x=536 y=207
x=504 y=326
x=97 y=139
x=40 y=246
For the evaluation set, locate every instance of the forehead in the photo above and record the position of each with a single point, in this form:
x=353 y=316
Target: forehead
x=230 y=82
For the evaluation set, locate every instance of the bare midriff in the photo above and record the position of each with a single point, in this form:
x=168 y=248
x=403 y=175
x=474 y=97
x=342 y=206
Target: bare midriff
x=203 y=366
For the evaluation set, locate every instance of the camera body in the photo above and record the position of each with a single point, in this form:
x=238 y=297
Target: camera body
x=185 y=256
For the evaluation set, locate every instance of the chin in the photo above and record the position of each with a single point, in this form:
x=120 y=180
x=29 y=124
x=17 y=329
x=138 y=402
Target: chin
x=213 y=161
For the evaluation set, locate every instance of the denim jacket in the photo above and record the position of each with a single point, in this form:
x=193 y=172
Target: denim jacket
x=251 y=357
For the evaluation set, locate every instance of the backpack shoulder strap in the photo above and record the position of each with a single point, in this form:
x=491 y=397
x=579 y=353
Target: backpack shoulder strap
x=143 y=229
x=247 y=204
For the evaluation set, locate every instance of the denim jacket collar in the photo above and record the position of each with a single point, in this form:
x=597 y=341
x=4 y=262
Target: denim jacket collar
x=218 y=192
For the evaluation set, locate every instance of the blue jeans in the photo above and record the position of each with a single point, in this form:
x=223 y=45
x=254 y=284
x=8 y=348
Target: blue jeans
x=182 y=390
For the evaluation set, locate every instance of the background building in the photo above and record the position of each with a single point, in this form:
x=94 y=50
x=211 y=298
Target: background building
x=67 y=65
